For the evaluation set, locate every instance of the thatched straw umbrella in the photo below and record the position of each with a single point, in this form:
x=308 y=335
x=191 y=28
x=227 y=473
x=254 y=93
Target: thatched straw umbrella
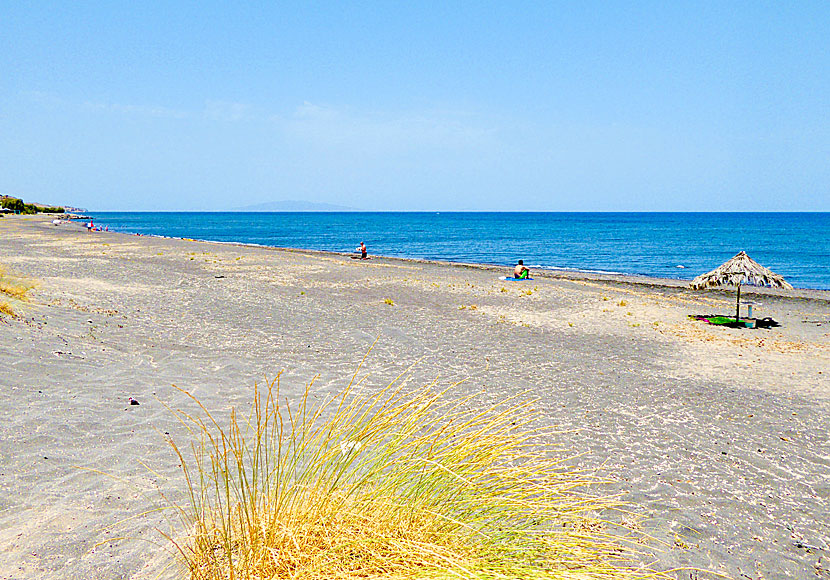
x=740 y=270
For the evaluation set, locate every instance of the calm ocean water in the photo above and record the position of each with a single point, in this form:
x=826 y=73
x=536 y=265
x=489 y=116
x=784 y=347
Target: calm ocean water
x=795 y=245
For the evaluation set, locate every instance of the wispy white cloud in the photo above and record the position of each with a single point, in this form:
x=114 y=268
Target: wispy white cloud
x=383 y=132
x=43 y=98
x=213 y=110
x=228 y=111
x=319 y=126
x=139 y=110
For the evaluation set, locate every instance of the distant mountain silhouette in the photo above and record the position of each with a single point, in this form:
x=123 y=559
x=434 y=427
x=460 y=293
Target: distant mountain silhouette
x=292 y=205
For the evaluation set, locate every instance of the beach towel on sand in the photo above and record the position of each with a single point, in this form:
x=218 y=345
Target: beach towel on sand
x=512 y=279
x=726 y=321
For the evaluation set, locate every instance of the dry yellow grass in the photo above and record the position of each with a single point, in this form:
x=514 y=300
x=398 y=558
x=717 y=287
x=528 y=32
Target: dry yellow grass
x=399 y=484
x=14 y=287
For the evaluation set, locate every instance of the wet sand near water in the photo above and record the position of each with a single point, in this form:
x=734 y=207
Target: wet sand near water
x=718 y=436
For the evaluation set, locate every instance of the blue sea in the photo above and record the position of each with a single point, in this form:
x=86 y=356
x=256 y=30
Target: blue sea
x=663 y=245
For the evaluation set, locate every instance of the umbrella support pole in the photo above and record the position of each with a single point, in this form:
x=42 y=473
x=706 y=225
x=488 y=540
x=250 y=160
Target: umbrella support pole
x=738 y=307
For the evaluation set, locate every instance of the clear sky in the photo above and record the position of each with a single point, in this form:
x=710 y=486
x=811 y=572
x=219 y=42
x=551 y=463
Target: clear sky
x=542 y=106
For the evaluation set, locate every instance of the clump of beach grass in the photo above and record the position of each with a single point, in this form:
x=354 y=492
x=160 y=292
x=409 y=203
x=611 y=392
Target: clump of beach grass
x=398 y=484
x=14 y=287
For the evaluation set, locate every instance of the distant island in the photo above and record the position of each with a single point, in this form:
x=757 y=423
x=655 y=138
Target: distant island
x=292 y=205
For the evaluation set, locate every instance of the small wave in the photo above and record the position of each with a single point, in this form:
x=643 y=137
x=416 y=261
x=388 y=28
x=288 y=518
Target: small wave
x=581 y=270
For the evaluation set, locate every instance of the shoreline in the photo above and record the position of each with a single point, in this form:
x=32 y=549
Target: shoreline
x=553 y=273
x=649 y=261
x=717 y=437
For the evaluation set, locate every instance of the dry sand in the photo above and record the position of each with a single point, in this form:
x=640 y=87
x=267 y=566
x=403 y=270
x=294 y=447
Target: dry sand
x=718 y=436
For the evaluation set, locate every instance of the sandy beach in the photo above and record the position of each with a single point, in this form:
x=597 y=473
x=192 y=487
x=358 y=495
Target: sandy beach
x=718 y=436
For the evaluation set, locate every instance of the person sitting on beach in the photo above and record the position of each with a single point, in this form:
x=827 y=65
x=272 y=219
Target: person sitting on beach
x=521 y=272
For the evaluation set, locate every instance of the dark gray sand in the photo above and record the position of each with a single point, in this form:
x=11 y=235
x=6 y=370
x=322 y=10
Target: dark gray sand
x=718 y=436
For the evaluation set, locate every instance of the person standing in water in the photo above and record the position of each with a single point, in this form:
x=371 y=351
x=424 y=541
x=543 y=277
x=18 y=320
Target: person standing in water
x=521 y=271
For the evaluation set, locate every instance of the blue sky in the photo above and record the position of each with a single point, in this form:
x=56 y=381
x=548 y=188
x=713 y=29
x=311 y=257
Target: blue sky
x=539 y=106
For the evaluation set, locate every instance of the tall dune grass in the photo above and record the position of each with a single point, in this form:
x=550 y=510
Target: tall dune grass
x=398 y=484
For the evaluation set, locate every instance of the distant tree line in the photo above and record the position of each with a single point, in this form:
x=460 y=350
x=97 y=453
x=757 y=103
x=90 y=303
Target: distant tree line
x=17 y=206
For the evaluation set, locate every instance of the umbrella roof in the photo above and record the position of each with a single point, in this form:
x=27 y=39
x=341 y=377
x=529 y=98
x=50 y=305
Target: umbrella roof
x=740 y=270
